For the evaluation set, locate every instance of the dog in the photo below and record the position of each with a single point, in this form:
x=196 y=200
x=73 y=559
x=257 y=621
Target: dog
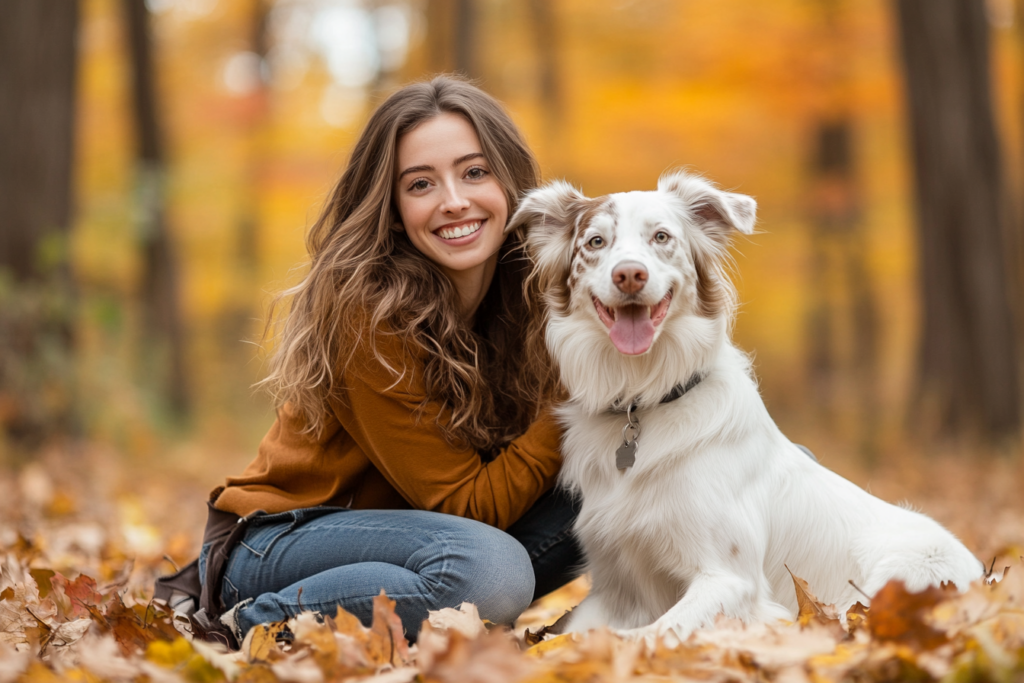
x=694 y=503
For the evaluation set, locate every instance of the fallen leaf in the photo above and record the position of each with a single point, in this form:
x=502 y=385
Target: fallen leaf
x=298 y=669
x=262 y=643
x=856 y=617
x=491 y=657
x=390 y=645
x=186 y=659
x=75 y=597
x=464 y=620
x=808 y=604
x=564 y=640
x=900 y=616
x=12 y=663
x=101 y=655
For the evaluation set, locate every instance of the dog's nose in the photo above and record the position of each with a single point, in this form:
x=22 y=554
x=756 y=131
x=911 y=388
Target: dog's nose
x=630 y=277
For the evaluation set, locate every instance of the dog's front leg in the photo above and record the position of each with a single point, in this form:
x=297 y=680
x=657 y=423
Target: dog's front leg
x=590 y=614
x=707 y=596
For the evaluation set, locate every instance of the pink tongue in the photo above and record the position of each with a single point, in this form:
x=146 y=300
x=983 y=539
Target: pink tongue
x=633 y=330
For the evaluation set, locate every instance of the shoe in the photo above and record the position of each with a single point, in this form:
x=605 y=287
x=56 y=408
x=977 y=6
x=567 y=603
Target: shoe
x=214 y=630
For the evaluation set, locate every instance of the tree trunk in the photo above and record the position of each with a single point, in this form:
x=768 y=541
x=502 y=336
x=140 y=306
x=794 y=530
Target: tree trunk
x=37 y=111
x=968 y=374
x=543 y=22
x=37 y=92
x=452 y=37
x=466 y=53
x=160 y=278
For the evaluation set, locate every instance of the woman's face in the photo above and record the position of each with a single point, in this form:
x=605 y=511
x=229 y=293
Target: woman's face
x=453 y=209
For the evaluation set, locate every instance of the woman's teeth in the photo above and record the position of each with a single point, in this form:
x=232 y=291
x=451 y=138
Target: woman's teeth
x=461 y=231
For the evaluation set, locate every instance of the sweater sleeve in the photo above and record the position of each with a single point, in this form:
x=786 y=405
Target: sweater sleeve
x=383 y=416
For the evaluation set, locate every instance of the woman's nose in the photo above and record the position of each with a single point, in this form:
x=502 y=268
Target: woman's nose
x=454 y=200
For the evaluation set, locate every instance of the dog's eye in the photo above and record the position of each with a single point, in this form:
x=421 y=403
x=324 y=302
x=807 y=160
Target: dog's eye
x=596 y=242
x=661 y=237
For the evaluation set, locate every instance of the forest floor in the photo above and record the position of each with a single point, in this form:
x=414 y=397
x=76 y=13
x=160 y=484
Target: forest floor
x=85 y=530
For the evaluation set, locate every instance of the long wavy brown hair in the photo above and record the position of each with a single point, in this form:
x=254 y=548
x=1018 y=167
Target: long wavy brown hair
x=366 y=279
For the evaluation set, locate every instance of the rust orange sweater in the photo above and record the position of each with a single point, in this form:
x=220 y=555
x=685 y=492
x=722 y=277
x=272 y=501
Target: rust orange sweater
x=374 y=453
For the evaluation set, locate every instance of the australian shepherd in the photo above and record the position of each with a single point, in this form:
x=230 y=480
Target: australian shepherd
x=693 y=502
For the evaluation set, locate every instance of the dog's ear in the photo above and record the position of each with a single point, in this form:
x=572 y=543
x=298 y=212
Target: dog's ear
x=716 y=212
x=550 y=215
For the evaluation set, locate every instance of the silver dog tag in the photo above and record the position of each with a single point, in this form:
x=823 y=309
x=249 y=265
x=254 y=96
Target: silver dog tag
x=625 y=455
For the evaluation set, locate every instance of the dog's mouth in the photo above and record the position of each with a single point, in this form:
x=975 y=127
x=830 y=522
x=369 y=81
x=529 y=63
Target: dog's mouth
x=631 y=328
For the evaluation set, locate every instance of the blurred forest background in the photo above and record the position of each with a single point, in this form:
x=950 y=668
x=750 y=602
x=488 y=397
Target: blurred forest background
x=160 y=162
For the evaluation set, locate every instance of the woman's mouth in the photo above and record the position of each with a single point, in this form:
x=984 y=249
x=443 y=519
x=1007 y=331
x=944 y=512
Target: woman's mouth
x=455 y=232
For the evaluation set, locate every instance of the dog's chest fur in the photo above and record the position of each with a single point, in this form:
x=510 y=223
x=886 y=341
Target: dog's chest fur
x=630 y=519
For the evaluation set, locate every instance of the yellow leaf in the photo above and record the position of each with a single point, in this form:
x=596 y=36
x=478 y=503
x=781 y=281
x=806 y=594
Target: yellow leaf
x=555 y=643
x=263 y=642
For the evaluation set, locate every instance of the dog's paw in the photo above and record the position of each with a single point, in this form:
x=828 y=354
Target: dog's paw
x=650 y=635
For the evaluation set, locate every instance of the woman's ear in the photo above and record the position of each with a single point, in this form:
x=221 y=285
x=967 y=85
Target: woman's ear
x=550 y=214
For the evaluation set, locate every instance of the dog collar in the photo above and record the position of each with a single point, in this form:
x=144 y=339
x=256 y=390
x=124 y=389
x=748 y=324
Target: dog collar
x=676 y=393
x=625 y=455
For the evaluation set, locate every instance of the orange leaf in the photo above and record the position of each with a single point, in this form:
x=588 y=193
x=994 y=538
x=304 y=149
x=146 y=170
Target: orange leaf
x=856 y=617
x=810 y=607
x=387 y=627
x=898 y=615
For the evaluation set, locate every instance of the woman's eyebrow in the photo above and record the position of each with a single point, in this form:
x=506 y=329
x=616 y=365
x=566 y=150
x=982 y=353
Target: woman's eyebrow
x=461 y=160
x=414 y=169
x=467 y=157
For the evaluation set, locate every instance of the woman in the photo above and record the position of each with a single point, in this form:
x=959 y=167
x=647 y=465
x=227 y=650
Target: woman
x=412 y=381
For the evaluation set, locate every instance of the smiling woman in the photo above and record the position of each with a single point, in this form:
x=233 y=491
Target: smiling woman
x=411 y=381
x=453 y=209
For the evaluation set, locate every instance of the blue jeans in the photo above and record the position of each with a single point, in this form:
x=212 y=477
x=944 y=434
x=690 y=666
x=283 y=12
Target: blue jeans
x=312 y=559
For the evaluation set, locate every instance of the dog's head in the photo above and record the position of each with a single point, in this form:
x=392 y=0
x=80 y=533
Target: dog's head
x=632 y=264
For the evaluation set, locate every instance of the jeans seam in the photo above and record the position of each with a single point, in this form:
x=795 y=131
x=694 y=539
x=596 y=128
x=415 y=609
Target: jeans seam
x=441 y=538
x=288 y=529
x=234 y=590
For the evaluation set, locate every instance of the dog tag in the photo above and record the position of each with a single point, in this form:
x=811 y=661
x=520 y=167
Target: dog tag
x=625 y=455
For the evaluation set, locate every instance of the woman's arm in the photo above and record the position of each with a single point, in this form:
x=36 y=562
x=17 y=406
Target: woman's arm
x=377 y=421
x=409 y=450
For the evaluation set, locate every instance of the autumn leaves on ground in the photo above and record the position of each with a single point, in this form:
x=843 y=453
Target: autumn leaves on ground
x=84 y=533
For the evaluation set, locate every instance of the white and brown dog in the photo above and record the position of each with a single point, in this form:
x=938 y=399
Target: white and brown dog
x=693 y=502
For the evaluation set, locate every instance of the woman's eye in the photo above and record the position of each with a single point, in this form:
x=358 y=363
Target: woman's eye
x=596 y=242
x=476 y=173
x=420 y=184
x=661 y=237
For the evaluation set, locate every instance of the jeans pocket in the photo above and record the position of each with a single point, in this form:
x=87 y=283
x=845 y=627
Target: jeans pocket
x=266 y=530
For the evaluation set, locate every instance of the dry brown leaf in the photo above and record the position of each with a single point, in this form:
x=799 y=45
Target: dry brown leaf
x=856 y=617
x=808 y=604
x=101 y=655
x=301 y=668
x=390 y=645
x=12 y=663
x=464 y=620
x=309 y=632
x=260 y=644
x=257 y=673
x=542 y=648
x=900 y=616
x=492 y=657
